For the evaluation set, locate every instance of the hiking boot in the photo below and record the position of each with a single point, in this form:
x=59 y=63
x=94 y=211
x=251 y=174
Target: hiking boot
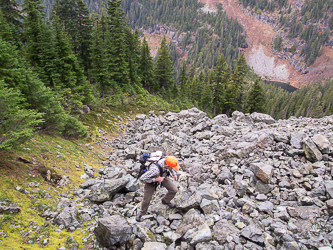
x=170 y=204
x=138 y=217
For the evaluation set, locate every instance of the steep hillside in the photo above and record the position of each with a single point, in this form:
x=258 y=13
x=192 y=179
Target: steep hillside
x=260 y=55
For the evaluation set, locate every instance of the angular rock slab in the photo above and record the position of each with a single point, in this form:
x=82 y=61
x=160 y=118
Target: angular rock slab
x=322 y=143
x=259 y=117
x=103 y=192
x=154 y=246
x=111 y=230
x=296 y=139
x=329 y=187
x=191 y=219
x=223 y=229
x=163 y=210
x=200 y=234
x=311 y=151
x=67 y=217
x=253 y=233
x=188 y=199
x=262 y=171
x=171 y=236
x=144 y=232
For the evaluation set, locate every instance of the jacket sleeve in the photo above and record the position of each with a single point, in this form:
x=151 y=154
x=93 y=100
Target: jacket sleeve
x=151 y=174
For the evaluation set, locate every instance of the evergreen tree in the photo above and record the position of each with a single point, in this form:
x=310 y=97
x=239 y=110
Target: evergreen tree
x=5 y=30
x=221 y=79
x=16 y=122
x=118 y=67
x=99 y=57
x=16 y=74
x=13 y=18
x=146 y=67
x=191 y=73
x=207 y=96
x=164 y=71
x=75 y=17
x=237 y=82
x=74 y=89
x=32 y=30
x=48 y=58
x=256 y=101
x=183 y=82
x=132 y=47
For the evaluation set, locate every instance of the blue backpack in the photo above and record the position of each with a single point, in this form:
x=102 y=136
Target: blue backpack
x=144 y=167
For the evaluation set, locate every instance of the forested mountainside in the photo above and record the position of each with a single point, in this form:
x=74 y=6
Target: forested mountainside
x=295 y=45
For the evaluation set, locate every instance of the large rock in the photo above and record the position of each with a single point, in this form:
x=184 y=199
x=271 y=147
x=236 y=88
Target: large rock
x=311 y=151
x=187 y=199
x=103 y=191
x=322 y=143
x=259 y=117
x=296 y=139
x=154 y=246
x=224 y=229
x=254 y=234
x=262 y=171
x=143 y=231
x=329 y=187
x=67 y=217
x=112 y=230
x=191 y=219
x=200 y=234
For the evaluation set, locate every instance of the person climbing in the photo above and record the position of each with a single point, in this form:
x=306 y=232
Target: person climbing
x=157 y=174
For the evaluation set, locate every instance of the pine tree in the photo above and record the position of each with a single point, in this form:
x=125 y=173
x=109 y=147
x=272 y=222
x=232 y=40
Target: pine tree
x=206 y=101
x=146 y=67
x=5 y=29
x=75 y=89
x=118 y=67
x=164 y=71
x=99 y=57
x=17 y=74
x=237 y=82
x=16 y=123
x=132 y=48
x=256 y=101
x=183 y=83
x=75 y=17
x=32 y=30
x=12 y=16
x=48 y=58
x=221 y=79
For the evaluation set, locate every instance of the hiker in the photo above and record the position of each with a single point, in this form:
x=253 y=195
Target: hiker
x=157 y=174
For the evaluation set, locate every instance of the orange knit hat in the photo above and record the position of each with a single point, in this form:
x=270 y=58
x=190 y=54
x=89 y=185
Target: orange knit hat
x=172 y=161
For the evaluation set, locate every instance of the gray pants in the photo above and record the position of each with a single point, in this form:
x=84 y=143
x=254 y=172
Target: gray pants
x=149 y=190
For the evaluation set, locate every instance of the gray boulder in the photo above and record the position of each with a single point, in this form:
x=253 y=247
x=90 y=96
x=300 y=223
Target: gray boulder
x=104 y=191
x=265 y=118
x=311 y=151
x=322 y=143
x=67 y=217
x=253 y=233
x=223 y=229
x=187 y=199
x=112 y=230
x=191 y=219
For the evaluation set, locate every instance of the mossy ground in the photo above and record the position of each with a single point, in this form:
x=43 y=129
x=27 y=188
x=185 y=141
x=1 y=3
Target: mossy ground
x=25 y=164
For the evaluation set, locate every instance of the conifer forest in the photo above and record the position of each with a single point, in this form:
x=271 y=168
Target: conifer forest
x=57 y=56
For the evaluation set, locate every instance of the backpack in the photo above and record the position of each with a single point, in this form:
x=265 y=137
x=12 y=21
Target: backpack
x=147 y=159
